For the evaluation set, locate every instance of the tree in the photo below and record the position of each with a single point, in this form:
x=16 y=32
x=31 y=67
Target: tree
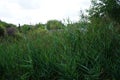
x=25 y=28
x=40 y=25
x=54 y=24
x=103 y=8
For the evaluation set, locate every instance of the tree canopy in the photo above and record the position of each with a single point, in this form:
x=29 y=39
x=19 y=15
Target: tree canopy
x=54 y=24
x=109 y=8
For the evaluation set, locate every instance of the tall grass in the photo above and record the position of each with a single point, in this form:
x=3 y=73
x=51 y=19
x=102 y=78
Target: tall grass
x=69 y=54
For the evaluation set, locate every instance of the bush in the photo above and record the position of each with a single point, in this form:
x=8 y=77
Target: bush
x=25 y=28
x=2 y=31
x=42 y=26
x=54 y=25
x=11 y=31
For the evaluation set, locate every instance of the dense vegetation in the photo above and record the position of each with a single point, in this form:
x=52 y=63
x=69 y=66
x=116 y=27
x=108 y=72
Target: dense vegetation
x=85 y=50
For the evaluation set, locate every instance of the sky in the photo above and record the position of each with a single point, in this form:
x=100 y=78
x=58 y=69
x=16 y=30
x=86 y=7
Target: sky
x=35 y=11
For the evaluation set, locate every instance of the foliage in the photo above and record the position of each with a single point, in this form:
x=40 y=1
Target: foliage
x=11 y=31
x=67 y=54
x=25 y=28
x=81 y=51
x=7 y=25
x=54 y=24
x=105 y=8
x=40 y=25
x=2 y=30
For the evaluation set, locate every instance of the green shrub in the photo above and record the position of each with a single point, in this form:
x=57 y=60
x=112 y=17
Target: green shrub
x=25 y=28
x=14 y=33
x=2 y=30
x=11 y=31
x=54 y=25
x=42 y=26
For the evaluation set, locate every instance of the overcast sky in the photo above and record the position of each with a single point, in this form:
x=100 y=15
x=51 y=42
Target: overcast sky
x=35 y=11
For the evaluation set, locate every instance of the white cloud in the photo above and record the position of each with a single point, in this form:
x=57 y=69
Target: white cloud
x=34 y=11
